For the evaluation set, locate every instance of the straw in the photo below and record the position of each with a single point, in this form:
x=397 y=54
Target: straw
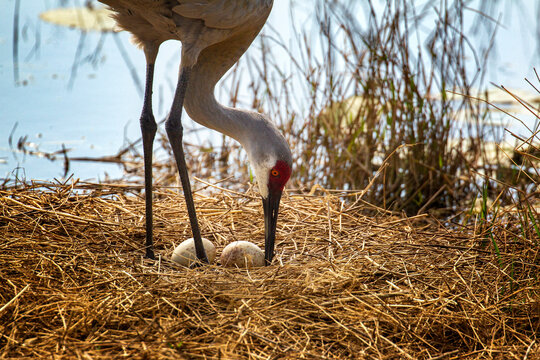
x=345 y=283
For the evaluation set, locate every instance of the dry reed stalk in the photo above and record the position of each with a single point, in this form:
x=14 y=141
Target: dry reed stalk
x=343 y=285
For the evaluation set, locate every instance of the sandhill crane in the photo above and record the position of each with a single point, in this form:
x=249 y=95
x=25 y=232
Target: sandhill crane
x=214 y=34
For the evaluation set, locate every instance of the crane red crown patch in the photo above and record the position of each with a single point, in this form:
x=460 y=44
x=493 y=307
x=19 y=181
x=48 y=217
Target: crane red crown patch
x=279 y=175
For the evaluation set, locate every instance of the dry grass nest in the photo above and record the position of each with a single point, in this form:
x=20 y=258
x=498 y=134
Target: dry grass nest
x=344 y=284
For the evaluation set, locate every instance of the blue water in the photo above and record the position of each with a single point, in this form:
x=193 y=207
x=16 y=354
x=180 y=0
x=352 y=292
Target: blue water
x=86 y=112
x=95 y=111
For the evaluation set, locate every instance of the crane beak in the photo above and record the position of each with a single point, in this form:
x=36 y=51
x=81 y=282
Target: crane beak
x=271 y=208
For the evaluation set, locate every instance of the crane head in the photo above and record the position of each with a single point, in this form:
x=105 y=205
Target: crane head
x=271 y=161
x=271 y=180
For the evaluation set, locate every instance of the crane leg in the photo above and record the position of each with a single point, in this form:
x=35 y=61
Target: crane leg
x=175 y=131
x=148 y=128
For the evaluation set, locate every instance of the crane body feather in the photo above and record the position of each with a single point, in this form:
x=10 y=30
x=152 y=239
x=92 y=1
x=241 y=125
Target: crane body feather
x=196 y=23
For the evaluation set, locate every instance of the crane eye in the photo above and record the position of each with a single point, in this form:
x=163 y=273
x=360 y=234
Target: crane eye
x=274 y=172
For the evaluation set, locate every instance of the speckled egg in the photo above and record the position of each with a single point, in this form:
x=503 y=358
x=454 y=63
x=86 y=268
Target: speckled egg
x=185 y=255
x=242 y=254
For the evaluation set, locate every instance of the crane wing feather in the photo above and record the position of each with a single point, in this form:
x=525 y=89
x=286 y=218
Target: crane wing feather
x=222 y=14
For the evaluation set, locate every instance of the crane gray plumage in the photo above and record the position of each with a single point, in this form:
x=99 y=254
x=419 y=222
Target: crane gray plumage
x=214 y=35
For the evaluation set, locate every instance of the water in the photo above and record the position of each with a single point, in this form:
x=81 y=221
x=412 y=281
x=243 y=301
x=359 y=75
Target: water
x=89 y=101
x=87 y=110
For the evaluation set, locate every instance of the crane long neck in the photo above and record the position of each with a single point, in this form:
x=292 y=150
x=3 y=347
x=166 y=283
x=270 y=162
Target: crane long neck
x=200 y=102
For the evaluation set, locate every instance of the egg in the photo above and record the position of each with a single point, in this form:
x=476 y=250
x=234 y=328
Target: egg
x=184 y=254
x=242 y=254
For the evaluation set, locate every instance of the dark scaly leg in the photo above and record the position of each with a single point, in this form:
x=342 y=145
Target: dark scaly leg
x=174 y=128
x=148 y=128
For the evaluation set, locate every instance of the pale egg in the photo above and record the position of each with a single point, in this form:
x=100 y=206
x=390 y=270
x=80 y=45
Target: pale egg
x=242 y=254
x=185 y=255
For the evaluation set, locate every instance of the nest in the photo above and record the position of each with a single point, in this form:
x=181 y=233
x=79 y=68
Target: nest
x=344 y=284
